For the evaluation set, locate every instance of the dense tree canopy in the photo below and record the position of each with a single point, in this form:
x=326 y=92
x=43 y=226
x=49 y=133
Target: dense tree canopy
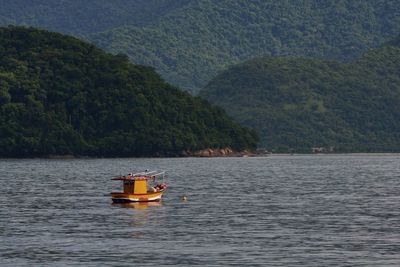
x=190 y=41
x=192 y=44
x=296 y=104
x=59 y=95
x=84 y=17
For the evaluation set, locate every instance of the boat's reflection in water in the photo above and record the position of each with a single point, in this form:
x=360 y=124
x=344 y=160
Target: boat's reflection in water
x=138 y=205
x=143 y=214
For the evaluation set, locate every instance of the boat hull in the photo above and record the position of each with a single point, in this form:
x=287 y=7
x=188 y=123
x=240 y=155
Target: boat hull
x=124 y=198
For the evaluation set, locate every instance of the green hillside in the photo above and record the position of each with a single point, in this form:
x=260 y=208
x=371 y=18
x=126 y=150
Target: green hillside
x=190 y=41
x=59 y=95
x=84 y=17
x=192 y=44
x=296 y=104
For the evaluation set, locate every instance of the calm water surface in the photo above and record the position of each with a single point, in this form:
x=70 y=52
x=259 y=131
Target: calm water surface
x=338 y=210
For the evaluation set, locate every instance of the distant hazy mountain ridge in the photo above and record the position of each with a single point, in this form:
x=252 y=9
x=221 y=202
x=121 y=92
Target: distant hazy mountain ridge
x=84 y=17
x=192 y=44
x=190 y=41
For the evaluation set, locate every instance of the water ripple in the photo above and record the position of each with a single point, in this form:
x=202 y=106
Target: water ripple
x=280 y=210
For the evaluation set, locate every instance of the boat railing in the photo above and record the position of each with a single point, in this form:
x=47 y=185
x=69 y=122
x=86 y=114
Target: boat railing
x=143 y=175
x=148 y=174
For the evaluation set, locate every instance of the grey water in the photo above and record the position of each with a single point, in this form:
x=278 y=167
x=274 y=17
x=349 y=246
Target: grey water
x=300 y=210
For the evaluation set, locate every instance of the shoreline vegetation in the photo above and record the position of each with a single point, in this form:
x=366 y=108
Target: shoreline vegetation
x=204 y=153
x=243 y=154
x=304 y=105
x=62 y=96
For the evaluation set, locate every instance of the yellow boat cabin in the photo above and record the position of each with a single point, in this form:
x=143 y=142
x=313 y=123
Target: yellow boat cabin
x=140 y=187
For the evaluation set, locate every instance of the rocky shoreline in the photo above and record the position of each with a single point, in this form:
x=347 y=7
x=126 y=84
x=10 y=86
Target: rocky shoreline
x=204 y=153
x=220 y=152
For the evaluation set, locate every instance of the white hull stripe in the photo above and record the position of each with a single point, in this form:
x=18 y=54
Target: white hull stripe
x=139 y=199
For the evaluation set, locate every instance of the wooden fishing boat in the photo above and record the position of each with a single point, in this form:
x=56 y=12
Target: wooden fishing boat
x=140 y=187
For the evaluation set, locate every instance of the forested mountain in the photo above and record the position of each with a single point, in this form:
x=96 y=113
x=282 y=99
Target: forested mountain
x=190 y=45
x=84 y=17
x=59 y=95
x=189 y=41
x=296 y=104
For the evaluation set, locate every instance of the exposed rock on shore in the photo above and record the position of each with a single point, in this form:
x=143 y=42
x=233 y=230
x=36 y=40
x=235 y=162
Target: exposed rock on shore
x=221 y=152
